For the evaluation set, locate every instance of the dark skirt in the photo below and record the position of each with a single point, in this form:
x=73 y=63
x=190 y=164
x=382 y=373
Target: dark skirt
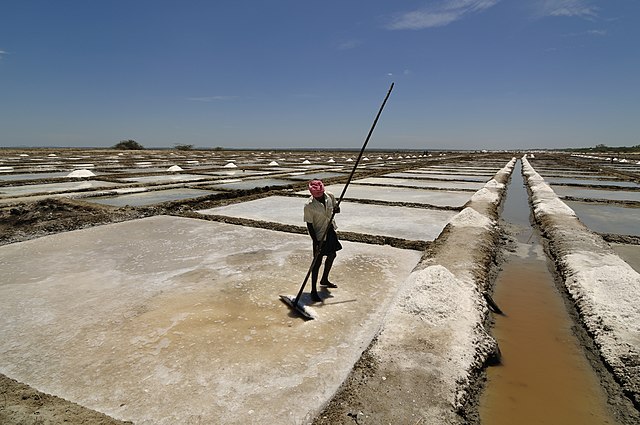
x=331 y=244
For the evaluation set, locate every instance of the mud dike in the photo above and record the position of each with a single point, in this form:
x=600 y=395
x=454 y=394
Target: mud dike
x=172 y=315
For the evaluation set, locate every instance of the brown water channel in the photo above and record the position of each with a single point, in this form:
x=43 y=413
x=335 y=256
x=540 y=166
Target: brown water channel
x=544 y=376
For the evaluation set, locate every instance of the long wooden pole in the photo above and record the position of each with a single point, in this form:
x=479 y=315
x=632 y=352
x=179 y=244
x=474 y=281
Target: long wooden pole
x=316 y=257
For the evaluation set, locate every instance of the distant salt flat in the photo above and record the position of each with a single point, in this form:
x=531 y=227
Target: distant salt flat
x=400 y=222
x=421 y=183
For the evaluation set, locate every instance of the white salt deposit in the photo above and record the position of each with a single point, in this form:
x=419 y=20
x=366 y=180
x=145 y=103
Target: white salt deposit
x=174 y=168
x=81 y=173
x=231 y=165
x=469 y=217
x=306 y=162
x=331 y=160
x=274 y=164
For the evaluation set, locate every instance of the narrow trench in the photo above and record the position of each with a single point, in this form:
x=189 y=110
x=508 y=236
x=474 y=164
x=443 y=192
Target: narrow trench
x=544 y=376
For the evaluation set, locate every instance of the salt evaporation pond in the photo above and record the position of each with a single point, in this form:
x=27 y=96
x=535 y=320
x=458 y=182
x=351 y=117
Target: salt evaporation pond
x=421 y=183
x=312 y=176
x=54 y=187
x=614 y=195
x=33 y=176
x=440 y=198
x=462 y=177
x=252 y=184
x=586 y=182
x=150 y=197
x=607 y=218
x=169 y=178
x=400 y=222
x=169 y=320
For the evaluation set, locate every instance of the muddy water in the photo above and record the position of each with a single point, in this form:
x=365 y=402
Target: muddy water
x=544 y=377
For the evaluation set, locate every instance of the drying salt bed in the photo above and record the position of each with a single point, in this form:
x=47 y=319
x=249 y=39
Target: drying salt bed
x=169 y=320
x=420 y=183
x=53 y=187
x=605 y=289
x=150 y=197
x=460 y=177
x=236 y=172
x=613 y=195
x=33 y=176
x=608 y=218
x=399 y=222
x=312 y=176
x=251 y=184
x=440 y=198
x=169 y=178
x=587 y=182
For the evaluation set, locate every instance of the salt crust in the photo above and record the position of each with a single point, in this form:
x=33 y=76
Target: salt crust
x=174 y=168
x=469 y=217
x=604 y=287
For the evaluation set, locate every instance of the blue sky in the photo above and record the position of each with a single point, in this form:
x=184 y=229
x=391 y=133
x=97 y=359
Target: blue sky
x=469 y=74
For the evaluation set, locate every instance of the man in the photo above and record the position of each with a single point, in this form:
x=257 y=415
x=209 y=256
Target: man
x=317 y=213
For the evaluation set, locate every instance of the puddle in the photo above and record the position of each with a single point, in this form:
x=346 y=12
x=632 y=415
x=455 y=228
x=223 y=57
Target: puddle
x=544 y=376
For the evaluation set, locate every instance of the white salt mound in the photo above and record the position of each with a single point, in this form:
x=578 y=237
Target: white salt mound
x=274 y=163
x=469 y=217
x=231 y=165
x=174 y=168
x=306 y=161
x=80 y=173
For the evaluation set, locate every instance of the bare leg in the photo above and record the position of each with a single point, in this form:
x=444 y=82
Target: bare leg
x=327 y=268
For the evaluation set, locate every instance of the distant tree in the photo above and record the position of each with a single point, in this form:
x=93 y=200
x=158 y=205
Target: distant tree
x=128 y=144
x=183 y=147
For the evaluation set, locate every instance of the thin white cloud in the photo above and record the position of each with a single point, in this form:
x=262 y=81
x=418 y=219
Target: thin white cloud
x=569 y=8
x=211 y=98
x=438 y=14
x=595 y=33
x=349 y=44
x=2 y=53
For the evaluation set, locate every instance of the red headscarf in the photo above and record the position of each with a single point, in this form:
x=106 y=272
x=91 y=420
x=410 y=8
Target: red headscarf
x=316 y=187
